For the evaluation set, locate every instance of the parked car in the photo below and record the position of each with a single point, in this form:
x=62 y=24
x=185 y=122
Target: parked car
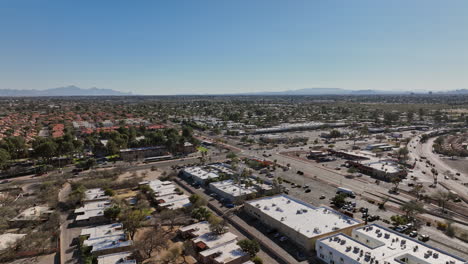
x=401 y=229
x=229 y=205
x=307 y=190
x=283 y=239
x=322 y=197
x=413 y=234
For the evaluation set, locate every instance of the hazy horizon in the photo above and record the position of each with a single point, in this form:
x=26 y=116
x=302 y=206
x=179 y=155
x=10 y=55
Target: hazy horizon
x=215 y=47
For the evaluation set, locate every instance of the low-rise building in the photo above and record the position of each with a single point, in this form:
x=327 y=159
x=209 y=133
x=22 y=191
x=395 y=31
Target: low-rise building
x=212 y=240
x=384 y=170
x=228 y=253
x=103 y=230
x=96 y=194
x=167 y=195
x=117 y=258
x=195 y=230
x=301 y=222
x=232 y=191
x=92 y=213
x=379 y=146
x=108 y=244
x=31 y=216
x=133 y=154
x=379 y=245
x=199 y=175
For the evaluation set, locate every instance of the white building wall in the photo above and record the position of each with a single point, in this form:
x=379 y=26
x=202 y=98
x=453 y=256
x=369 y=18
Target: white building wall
x=331 y=256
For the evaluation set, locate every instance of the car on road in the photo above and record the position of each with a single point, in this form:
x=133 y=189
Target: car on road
x=276 y=235
x=283 y=239
x=424 y=238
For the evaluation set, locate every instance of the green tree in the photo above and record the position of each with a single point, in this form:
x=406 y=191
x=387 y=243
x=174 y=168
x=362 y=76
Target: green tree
x=4 y=158
x=197 y=200
x=112 y=212
x=252 y=247
x=217 y=224
x=412 y=208
x=132 y=220
x=201 y=213
x=112 y=148
x=339 y=200
x=46 y=150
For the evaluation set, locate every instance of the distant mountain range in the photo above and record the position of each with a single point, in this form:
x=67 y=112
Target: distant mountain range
x=62 y=91
x=77 y=91
x=341 y=91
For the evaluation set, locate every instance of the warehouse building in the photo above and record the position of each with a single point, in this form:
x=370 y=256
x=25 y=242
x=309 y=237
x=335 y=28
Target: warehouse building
x=379 y=245
x=301 y=222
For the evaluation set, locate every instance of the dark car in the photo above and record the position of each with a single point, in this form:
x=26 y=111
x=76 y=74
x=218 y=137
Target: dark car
x=307 y=190
x=229 y=205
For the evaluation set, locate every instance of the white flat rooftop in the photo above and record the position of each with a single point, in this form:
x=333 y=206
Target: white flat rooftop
x=93 y=206
x=176 y=204
x=387 y=246
x=212 y=240
x=90 y=214
x=165 y=192
x=172 y=197
x=385 y=166
x=228 y=252
x=232 y=188
x=103 y=230
x=33 y=213
x=200 y=173
x=116 y=258
x=304 y=218
x=107 y=242
x=95 y=194
x=197 y=229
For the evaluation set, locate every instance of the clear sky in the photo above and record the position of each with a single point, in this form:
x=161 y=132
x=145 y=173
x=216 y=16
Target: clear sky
x=225 y=46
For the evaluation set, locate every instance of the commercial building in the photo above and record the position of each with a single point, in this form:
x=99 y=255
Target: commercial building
x=232 y=191
x=133 y=154
x=384 y=170
x=199 y=175
x=379 y=146
x=379 y=245
x=301 y=222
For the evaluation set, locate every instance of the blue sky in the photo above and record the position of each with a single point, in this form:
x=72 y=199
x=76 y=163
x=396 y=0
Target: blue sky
x=221 y=46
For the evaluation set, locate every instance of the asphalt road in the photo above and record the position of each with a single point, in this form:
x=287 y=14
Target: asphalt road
x=425 y=150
